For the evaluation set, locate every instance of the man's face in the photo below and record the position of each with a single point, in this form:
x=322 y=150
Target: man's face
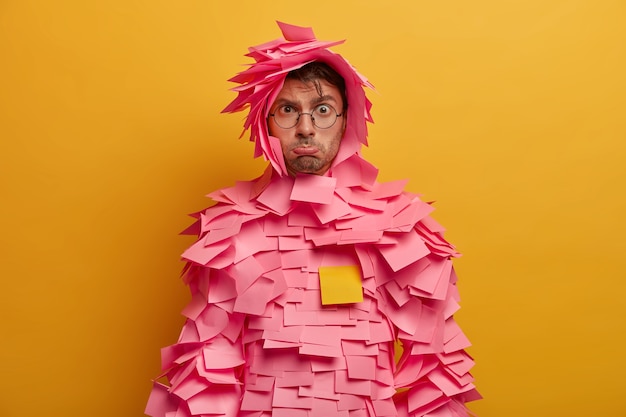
x=306 y=147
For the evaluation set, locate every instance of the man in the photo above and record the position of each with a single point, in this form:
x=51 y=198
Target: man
x=305 y=280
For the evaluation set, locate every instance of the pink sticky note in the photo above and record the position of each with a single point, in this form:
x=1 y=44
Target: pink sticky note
x=278 y=226
x=399 y=295
x=265 y=323
x=314 y=189
x=350 y=237
x=221 y=354
x=189 y=387
x=295 y=379
x=458 y=342
x=371 y=221
x=441 y=289
x=160 y=401
x=409 y=249
x=296 y=33
x=462 y=367
x=276 y=196
x=338 y=317
x=430 y=320
x=223 y=259
x=288 y=397
x=287 y=243
x=295 y=318
x=303 y=215
x=221 y=287
x=366 y=261
x=355 y=171
x=211 y=322
x=280 y=284
x=446 y=383
x=380 y=332
x=219 y=216
x=324 y=408
x=289 y=412
x=311 y=301
x=221 y=376
x=358 y=348
x=321 y=335
x=202 y=254
x=361 y=367
x=269 y=260
x=322 y=237
x=223 y=399
x=413 y=275
x=328 y=364
x=350 y=402
x=406 y=318
x=320 y=350
x=360 y=331
x=285 y=334
x=363 y=199
x=260 y=383
x=385 y=407
x=423 y=393
x=246 y=271
x=417 y=210
x=433 y=408
x=251 y=239
x=256 y=401
x=295 y=259
x=388 y=189
x=344 y=385
x=196 y=305
x=332 y=211
x=323 y=385
x=275 y=344
x=295 y=278
x=255 y=298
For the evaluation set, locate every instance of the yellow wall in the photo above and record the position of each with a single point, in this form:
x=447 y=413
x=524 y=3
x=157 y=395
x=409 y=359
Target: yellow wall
x=509 y=113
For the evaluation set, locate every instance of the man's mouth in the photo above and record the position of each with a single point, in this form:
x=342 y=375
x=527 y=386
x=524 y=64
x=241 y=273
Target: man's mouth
x=305 y=150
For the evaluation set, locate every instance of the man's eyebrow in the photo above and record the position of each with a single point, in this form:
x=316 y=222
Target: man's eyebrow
x=284 y=101
x=315 y=101
x=323 y=98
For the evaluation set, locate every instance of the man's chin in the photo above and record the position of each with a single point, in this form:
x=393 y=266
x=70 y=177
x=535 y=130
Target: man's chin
x=306 y=165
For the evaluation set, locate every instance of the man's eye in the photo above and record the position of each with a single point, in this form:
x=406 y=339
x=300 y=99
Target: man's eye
x=322 y=109
x=287 y=109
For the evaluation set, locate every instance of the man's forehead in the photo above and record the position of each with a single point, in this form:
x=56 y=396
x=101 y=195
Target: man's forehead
x=308 y=92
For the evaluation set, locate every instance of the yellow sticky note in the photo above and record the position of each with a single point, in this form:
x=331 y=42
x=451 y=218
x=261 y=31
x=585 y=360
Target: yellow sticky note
x=341 y=284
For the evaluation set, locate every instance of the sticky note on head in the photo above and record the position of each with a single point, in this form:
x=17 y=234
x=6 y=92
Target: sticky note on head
x=341 y=284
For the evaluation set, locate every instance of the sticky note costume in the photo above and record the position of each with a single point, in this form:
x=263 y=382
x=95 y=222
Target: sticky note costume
x=303 y=287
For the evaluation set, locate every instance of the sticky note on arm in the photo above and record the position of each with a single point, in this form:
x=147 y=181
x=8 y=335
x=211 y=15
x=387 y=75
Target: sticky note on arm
x=341 y=284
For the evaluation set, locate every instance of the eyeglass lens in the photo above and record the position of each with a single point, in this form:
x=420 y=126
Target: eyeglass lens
x=323 y=116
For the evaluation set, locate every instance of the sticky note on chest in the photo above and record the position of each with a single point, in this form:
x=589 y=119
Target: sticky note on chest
x=341 y=284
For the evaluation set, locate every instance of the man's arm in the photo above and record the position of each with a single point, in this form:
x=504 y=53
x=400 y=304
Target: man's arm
x=204 y=367
x=433 y=371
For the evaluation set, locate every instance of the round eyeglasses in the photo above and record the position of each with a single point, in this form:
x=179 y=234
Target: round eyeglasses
x=323 y=116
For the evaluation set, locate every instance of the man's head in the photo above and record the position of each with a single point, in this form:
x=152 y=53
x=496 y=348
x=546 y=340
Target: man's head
x=281 y=65
x=308 y=116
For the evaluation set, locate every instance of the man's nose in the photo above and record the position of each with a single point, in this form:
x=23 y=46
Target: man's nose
x=305 y=125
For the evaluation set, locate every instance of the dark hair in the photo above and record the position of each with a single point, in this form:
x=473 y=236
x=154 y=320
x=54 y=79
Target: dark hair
x=315 y=71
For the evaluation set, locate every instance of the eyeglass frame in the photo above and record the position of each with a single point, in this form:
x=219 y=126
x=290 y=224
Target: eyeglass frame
x=337 y=116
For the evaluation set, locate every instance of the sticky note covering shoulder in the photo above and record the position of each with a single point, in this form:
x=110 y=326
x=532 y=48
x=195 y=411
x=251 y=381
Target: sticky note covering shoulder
x=340 y=284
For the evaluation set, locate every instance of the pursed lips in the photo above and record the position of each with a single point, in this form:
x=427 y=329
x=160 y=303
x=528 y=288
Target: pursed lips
x=305 y=150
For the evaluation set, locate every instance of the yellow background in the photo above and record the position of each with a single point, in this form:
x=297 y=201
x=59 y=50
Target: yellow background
x=509 y=113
